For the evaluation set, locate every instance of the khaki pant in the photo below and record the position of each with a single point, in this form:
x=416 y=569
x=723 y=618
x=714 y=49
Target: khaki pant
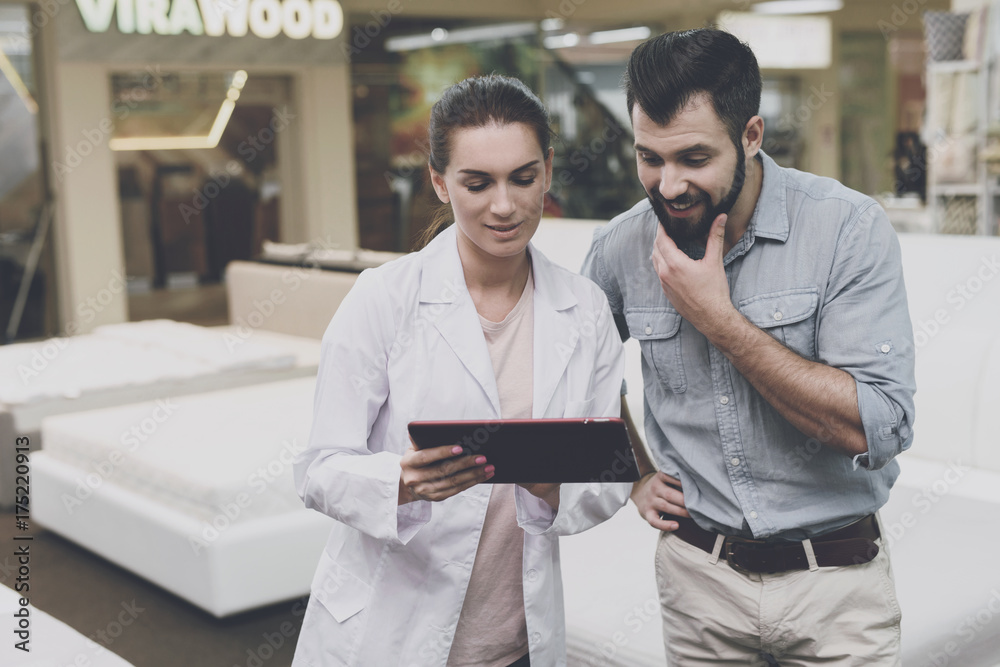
x=831 y=616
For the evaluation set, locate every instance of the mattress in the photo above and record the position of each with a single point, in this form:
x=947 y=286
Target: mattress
x=53 y=643
x=138 y=360
x=220 y=457
x=135 y=361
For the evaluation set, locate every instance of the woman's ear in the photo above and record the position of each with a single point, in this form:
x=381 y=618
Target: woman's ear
x=437 y=180
x=548 y=168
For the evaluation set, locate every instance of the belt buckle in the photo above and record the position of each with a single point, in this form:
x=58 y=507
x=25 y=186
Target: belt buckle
x=729 y=551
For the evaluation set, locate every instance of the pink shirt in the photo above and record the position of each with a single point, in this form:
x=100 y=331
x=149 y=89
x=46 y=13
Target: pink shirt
x=491 y=630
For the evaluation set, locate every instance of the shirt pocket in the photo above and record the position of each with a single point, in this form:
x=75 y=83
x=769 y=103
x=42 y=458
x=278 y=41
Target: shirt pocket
x=788 y=315
x=658 y=331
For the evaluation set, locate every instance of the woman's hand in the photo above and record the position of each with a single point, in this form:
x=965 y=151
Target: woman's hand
x=439 y=472
x=658 y=493
x=547 y=492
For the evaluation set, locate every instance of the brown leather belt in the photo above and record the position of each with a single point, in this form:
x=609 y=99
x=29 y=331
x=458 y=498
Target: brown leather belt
x=851 y=545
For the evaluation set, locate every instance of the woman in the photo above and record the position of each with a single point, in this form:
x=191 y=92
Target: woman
x=426 y=566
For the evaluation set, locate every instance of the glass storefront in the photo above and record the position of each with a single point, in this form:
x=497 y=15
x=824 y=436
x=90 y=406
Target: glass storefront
x=198 y=157
x=575 y=70
x=27 y=281
x=397 y=78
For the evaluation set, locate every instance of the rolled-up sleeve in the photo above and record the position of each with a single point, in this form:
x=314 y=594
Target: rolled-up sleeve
x=865 y=330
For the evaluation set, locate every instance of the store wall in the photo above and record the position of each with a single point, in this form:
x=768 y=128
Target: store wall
x=88 y=233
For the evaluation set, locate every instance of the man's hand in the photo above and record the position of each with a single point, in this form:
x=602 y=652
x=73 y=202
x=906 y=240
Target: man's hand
x=698 y=289
x=659 y=492
x=438 y=473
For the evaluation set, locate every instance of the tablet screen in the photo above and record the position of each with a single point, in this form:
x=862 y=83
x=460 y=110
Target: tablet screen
x=539 y=450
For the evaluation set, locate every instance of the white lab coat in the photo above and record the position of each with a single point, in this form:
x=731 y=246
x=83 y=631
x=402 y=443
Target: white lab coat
x=407 y=344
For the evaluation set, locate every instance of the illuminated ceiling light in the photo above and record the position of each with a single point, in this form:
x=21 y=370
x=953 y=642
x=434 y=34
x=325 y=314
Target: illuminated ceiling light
x=548 y=25
x=623 y=35
x=484 y=33
x=439 y=34
x=788 y=7
x=15 y=80
x=566 y=41
x=211 y=140
x=239 y=79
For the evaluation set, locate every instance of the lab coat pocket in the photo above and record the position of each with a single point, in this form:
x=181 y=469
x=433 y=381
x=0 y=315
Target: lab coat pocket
x=658 y=331
x=339 y=591
x=579 y=408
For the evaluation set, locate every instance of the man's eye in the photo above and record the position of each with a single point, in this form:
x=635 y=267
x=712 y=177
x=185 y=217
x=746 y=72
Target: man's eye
x=695 y=161
x=647 y=158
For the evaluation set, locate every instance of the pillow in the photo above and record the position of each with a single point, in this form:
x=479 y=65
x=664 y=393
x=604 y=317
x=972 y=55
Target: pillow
x=944 y=33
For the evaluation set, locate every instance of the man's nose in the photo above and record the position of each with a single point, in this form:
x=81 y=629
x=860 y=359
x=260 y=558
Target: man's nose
x=673 y=184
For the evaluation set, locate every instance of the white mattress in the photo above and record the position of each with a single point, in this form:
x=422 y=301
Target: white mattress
x=132 y=353
x=53 y=643
x=141 y=360
x=200 y=454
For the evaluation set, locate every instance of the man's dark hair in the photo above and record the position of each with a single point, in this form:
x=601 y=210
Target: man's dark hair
x=664 y=72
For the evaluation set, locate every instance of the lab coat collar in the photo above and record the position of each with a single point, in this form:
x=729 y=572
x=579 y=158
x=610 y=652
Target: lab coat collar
x=442 y=281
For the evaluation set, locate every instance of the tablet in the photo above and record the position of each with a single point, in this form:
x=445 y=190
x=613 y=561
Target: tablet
x=539 y=450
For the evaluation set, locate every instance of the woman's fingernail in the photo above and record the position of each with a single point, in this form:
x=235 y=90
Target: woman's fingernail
x=489 y=474
x=480 y=460
x=456 y=450
x=489 y=470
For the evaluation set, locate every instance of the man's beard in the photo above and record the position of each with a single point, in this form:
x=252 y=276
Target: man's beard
x=685 y=231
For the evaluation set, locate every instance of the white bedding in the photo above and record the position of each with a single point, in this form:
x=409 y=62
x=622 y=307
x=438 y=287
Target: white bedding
x=131 y=354
x=201 y=454
x=138 y=361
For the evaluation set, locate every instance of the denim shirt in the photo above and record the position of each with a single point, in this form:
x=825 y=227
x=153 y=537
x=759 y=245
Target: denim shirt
x=819 y=270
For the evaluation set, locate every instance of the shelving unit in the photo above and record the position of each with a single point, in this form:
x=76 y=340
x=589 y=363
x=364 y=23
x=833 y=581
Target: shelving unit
x=969 y=206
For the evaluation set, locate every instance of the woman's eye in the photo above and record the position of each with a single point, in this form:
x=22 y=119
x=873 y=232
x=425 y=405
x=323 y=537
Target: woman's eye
x=476 y=187
x=524 y=182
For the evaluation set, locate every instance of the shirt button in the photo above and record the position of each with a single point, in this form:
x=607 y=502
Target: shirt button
x=536 y=637
x=885 y=349
x=777 y=315
x=735 y=461
x=753 y=515
x=724 y=400
x=532 y=575
x=649 y=330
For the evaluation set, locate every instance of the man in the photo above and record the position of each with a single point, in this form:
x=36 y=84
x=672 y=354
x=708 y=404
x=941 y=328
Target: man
x=777 y=358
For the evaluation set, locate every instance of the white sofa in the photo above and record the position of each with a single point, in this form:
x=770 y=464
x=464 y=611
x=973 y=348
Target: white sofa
x=942 y=516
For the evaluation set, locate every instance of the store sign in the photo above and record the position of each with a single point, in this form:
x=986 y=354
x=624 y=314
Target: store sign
x=298 y=19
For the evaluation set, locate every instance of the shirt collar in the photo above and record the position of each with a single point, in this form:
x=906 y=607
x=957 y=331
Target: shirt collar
x=770 y=216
